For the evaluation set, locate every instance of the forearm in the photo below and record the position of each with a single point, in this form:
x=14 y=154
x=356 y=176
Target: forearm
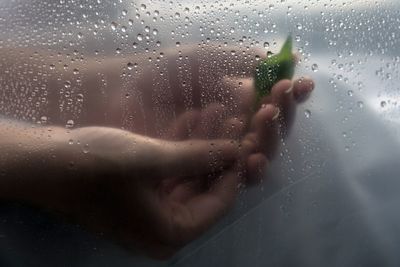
x=33 y=160
x=59 y=169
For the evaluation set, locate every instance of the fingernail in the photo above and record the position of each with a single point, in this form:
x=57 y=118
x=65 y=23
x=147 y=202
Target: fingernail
x=276 y=116
x=288 y=91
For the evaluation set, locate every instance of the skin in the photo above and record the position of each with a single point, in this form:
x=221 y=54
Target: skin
x=144 y=181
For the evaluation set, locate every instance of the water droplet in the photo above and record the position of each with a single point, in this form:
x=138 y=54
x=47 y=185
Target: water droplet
x=307 y=113
x=43 y=120
x=130 y=65
x=86 y=148
x=139 y=37
x=314 y=67
x=114 y=26
x=80 y=35
x=360 y=104
x=70 y=124
x=266 y=45
x=70 y=142
x=383 y=104
x=79 y=97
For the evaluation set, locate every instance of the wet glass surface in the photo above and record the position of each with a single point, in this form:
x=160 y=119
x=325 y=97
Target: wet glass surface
x=330 y=197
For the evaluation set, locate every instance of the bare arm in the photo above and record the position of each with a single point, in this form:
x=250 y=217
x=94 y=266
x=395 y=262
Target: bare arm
x=35 y=162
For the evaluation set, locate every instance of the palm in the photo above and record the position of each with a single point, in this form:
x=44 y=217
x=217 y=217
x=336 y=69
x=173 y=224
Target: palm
x=152 y=96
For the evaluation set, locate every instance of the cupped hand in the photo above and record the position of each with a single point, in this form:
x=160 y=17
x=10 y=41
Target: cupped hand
x=159 y=195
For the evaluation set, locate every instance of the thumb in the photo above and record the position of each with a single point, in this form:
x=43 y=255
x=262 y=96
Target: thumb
x=198 y=156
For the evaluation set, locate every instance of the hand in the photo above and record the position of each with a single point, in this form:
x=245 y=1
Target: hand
x=159 y=195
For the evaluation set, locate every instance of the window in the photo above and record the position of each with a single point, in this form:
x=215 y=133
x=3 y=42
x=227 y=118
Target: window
x=330 y=193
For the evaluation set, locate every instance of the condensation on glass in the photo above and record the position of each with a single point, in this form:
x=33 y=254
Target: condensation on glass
x=331 y=195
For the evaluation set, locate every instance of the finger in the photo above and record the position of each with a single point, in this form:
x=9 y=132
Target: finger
x=302 y=88
x=186 y=189
x=182 y=188
x=277 y=91
x=204 y=210
x=197 y=157
x=210 y=122
x=256 y=164
x=265 y=125
x=183 y=127
x=282 y=97
x=233 y=128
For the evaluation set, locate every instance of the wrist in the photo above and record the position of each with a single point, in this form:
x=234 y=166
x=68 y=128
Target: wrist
x=37 y=164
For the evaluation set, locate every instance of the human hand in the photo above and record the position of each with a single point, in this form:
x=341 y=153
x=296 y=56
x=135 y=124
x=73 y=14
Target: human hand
x=172 y=191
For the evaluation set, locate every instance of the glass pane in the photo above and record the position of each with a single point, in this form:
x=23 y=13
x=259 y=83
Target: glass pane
x=148 y=89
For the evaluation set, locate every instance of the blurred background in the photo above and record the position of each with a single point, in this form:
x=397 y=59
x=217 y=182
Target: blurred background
x=331 y=198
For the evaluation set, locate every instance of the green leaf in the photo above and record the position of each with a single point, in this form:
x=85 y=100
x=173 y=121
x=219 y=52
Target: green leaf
x=274 y=68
